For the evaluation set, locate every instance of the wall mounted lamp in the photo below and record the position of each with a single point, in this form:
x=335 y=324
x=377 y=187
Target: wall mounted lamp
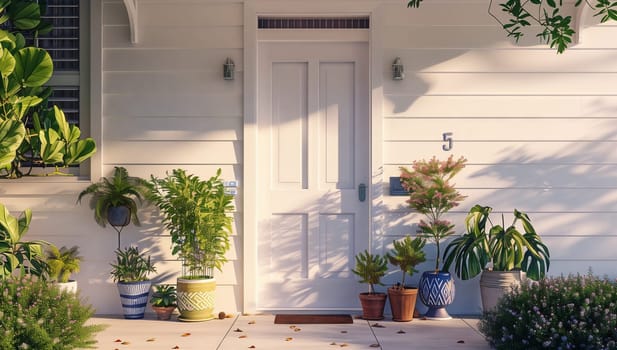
x=228 y=69
x=398 y=71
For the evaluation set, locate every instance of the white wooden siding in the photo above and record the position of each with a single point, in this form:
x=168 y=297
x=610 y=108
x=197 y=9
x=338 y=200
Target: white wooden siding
x=539 y=129
x=166 y=106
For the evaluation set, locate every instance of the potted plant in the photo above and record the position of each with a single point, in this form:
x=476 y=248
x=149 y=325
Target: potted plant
x=406 y=254
x=371 y=268
x=114 y=200
x=196 y=214
x=432 y=194
x=502 y=254
x=164 y=300
x=62 y=263
x=131 y=274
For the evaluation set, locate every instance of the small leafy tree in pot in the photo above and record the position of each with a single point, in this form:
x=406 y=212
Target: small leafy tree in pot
x=432 y=194
x=371 y=268
x=195 y=212
x=406 y=254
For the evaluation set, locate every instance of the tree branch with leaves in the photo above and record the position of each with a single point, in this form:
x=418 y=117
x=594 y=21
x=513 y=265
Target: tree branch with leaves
x=556 y=28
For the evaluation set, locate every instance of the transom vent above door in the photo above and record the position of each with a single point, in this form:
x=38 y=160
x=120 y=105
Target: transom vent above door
x=313 y=22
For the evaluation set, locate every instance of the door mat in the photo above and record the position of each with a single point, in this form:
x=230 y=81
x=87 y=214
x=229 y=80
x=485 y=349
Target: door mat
x=312 y=319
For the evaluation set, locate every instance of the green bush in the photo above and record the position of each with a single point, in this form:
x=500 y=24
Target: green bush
x=37 y=315
x=574 y=312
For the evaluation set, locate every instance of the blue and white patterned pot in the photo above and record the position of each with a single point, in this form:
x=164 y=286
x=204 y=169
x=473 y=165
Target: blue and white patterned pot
x=134 y=298
x=436 y=291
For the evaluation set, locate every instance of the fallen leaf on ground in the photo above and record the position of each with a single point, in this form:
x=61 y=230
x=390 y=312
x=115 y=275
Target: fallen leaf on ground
x=125 y=343
x=118 y=341
x=401 y=332
x=251 y=322
x=378 y=325
x=333 y=343
x=151 y=339
x=185 y=334
x=289 y=339
x=374 y=345
x=176 y=347
x=344 y=332
x=344 y=345
x=461 y=342
x=292 y=327
x=252 y=347
x=242 y=336
x=237 y=330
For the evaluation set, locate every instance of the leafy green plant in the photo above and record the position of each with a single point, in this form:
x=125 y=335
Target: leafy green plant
x=131 y=266
x=37 y=315
x=370 y=268
x=432 y=194
x=573 y=312
x=25 y=257
x=63 y=262
x=195 y=212
x=164 y=295
x=547 y=15
x=507 y=248
x=30 y=130
x=407 y=254
x=121 y=190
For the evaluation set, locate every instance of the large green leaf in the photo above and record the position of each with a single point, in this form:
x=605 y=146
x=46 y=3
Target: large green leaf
x=10 y=225
x=80 y=151
x=51 y=146
x=64 y=129
x=12 y=133
x=24 y=16
x=7 y=62
x=23 y=104
x=34 y=66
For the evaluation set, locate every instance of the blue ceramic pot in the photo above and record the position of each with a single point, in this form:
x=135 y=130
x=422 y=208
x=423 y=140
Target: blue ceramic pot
x=436 y=291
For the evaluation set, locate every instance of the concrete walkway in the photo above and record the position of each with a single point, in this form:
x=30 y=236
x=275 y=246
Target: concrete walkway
x=260 y=332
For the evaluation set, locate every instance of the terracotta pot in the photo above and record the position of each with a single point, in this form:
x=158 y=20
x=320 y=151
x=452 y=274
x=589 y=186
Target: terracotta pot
x=373 y=305
x=163 y=312
x=494 y=284
x=402 y=303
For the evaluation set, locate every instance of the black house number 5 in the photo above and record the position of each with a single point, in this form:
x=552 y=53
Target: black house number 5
x=447 y=138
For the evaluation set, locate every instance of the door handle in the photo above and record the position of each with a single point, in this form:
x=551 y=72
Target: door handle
x=362 y=192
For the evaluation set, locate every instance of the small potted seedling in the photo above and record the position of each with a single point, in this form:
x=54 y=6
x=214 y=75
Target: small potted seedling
x=164 y=301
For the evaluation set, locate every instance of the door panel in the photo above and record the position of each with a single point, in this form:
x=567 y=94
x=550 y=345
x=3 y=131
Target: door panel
x=313 y=154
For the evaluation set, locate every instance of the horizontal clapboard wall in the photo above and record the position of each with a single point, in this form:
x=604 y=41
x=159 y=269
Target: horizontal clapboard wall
x=538 y=129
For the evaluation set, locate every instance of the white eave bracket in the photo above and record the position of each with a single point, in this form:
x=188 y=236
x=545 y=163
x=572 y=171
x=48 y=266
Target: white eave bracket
x=131 y=9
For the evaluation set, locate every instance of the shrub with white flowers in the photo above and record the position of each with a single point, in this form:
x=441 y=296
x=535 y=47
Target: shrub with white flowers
x=573 y=312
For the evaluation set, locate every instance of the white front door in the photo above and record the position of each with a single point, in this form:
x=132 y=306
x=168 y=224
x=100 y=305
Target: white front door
x=313 y=160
